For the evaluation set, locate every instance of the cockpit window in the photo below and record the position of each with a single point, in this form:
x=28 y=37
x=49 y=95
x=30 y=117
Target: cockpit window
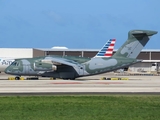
x=15 y=63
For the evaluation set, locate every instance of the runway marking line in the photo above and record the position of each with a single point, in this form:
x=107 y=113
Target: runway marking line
x=108 y=83
x=86 y=83
x=67 y=83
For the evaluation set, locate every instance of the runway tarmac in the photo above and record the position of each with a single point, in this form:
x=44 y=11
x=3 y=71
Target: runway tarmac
x=85 y=85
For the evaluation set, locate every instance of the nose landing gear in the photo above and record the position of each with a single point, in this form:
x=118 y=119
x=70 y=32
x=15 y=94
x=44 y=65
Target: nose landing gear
x=17 y=78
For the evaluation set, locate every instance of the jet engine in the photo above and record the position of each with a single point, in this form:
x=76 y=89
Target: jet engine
x=40 y=66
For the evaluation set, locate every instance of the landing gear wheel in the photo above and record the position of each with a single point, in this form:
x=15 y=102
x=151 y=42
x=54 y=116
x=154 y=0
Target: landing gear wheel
x=17 y=78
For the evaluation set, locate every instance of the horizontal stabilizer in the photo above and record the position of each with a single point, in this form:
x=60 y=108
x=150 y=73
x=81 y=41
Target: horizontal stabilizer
x=137 y=39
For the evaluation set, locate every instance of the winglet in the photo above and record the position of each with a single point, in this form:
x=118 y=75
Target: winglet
x=107 y=49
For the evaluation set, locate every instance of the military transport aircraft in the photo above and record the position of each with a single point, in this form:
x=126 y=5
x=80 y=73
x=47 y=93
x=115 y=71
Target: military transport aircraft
x=105 y=51
x=71 y=68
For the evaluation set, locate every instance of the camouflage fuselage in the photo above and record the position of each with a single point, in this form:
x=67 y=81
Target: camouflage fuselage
x=35 y=67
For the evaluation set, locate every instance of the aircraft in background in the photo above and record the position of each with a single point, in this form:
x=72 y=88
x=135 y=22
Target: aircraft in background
x=107 y=49
x=67 y=68
x=5 y=62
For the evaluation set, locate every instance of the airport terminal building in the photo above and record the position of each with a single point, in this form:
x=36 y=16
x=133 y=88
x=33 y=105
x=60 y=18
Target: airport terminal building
x=150 y=57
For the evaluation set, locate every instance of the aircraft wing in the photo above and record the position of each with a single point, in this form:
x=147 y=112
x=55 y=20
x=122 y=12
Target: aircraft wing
x=61 y=61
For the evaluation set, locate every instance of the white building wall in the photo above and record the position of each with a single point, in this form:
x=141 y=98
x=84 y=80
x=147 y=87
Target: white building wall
x=16 y=52
x=140 y=67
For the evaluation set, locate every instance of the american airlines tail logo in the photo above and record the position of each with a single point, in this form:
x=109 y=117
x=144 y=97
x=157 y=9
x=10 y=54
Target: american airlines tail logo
x=107 y=49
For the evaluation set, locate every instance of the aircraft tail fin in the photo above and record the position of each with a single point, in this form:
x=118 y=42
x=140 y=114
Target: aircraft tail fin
x=137 y=39
x=107 y=49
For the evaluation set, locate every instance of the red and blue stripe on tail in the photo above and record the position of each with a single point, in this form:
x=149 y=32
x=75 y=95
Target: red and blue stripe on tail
x=107 y=49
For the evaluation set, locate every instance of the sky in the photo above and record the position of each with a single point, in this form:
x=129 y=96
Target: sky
x=75 y=24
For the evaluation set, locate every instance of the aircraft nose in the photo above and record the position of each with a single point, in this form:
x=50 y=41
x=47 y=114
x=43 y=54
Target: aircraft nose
x=7 y=70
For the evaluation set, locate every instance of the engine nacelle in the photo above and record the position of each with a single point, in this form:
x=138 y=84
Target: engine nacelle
x=40 y=66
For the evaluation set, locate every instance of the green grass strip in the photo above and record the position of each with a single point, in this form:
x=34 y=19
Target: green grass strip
x=80 y=108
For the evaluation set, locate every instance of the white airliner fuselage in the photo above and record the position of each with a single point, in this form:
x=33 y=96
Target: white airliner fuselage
x=5 y=62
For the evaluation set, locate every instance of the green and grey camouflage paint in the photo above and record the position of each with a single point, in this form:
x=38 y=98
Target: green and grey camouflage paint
x=73 y=67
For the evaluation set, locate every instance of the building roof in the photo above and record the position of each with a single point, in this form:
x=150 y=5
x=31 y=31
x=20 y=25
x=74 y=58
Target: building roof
x=49 y=49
